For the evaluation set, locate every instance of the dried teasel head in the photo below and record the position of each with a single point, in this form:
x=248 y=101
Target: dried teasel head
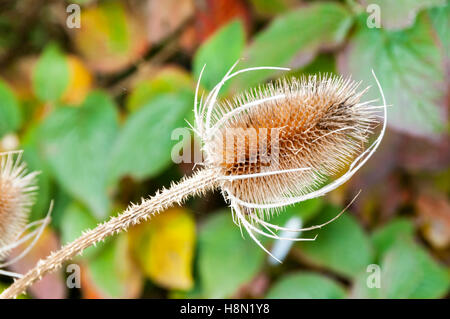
x=281 y=143
x=17 y=195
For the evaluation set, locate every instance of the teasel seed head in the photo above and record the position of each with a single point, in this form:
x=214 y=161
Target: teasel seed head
x=282 y=143
x=17 y=195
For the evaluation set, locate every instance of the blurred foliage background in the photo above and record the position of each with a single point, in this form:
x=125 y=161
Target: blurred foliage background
x=94 y=108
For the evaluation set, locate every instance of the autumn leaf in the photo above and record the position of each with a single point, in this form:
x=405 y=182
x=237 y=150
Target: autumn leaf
x=165 y=248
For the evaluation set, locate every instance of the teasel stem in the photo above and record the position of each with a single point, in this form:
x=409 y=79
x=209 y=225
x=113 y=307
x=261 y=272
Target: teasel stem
x=197 y=184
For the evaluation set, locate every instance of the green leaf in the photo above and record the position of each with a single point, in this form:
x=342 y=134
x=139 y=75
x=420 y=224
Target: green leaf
x=226 y=260
x=440 y=18
x=170 y=80
x=144 y=146
x=61 y=200
x=435 y=281
x=219 y=53
x=400 y=14
x=77 y=219
x=270 y=7
x=408 y=65
x=112 y=273
x=116 y=19
x=36 y=162
x=10 y=116
x=360 y=288
x=194 y=293
x=76 y=143
x=293 y=39
x=51 y=74
x=407 y=271
x=401 y=271
x=306 y=285
x=323 y=63
x=341 y=246
x=385 y=237
x=305 y=210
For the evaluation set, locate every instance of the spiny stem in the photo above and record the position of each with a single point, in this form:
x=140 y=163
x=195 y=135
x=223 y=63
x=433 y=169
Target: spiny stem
x=199 y=183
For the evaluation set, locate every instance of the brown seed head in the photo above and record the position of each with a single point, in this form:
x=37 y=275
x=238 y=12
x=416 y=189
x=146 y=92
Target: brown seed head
x=279 y=144
x=316 y=123
x=17 y=190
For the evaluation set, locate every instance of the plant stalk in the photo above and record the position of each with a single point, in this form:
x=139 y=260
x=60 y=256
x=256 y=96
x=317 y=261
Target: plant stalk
x=197 y=184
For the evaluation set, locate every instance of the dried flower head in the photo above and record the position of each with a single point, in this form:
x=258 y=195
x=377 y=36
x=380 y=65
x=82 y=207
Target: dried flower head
x=279 y=144
x=17 y=194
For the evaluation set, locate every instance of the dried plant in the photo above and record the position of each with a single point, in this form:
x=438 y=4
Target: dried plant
x=17 y=194
x=297 y=135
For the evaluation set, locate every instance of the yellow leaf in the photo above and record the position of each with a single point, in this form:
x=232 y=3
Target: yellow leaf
x=111 y=37
x=111 y=273
x=165 y=248
x=80 y=81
